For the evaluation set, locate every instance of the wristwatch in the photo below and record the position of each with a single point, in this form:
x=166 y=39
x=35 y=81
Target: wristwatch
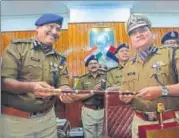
x=164 y=91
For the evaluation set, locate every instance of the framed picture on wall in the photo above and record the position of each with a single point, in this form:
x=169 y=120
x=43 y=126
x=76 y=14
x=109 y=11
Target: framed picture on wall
x=103 y=38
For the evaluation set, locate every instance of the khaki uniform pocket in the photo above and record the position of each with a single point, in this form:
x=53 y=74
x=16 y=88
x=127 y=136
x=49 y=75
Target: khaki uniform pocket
x=32 y=69
x=130 y=81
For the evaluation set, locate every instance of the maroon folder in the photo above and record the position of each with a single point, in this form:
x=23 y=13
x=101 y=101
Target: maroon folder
x=169 y=130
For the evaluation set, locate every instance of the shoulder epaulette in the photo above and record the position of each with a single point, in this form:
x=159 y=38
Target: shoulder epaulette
x=113 y=68
x=161 y=49
x=61 y=55
x=15 y=41
x=84 y=75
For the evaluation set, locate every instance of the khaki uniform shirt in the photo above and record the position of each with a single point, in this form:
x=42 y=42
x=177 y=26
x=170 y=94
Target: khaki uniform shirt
x=88 y=82
x=139 y=74
x=25 y=60
x=114 y=76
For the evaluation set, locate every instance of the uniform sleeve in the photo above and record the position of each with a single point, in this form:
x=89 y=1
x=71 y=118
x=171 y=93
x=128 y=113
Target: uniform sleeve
x=10 y=62
x=124 y=85
x=177 y=63
x=109 y=78
x=63 y=76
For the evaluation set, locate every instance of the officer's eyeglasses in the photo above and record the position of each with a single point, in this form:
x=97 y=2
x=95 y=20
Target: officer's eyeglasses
x=92 y=63
x=139 y=30
x=51 y=27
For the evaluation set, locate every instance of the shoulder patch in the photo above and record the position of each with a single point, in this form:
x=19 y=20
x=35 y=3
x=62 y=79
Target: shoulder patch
x=15 y=41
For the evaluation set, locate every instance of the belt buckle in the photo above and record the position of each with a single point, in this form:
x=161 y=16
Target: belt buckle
x=151 y=116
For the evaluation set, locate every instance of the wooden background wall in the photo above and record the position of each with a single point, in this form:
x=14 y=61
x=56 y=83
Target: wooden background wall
x=74 y=43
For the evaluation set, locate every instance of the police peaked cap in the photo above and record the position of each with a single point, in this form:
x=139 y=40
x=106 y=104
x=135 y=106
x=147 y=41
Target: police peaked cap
x=137 y=21
x=49 y=18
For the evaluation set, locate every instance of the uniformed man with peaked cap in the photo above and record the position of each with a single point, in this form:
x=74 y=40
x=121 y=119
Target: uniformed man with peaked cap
x=31 y=69
x=170 y=39
x=150 y=75
x=93 y=105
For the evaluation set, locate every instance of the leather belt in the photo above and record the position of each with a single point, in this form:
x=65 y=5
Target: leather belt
x=94 y=107
x=154 y=116
x=19 y=113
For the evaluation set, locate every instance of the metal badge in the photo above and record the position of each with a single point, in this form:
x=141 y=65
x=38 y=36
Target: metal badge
x=157 y=66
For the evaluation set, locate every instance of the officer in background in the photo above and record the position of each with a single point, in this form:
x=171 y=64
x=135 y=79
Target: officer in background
x=31 y=69
x=93 y=105
x=114 y=75
x=170 y=39
x=149 y=73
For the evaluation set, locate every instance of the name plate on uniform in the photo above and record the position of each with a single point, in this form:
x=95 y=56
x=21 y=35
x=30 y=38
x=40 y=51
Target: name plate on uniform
x=169 y=130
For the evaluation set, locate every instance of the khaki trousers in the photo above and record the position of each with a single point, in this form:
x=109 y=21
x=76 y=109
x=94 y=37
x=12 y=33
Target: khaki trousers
x=92 y=122
x=37 y=126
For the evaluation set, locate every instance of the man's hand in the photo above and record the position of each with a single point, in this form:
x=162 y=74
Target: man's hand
x=150 y=93
x=66 y=97
x=126 y=98
x=42 y=89
x=97 y=86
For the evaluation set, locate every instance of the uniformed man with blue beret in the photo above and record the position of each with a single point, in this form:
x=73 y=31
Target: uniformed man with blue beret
x=151 y=75
x=31 y=69
x=93 y=105
x=170 y=39
x=114 y=75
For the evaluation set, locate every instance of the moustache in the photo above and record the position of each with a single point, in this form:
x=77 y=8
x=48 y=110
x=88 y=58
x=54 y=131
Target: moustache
x=55 y=36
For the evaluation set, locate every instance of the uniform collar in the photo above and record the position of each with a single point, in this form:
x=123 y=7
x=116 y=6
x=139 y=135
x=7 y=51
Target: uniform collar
x=90 y=75
x=120 y=66
x=142 y=55
x=47 y=49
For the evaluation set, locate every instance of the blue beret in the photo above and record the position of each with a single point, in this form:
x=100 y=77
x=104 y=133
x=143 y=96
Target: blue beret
x=122 y=45
x=169 y=35
x=92 y=57
x=49 y=18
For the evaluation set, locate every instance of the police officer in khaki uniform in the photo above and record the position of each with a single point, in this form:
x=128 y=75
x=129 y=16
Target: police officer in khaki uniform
x=170 y=39
x=149 y=74
x=93 y=105
x=114 y=75
x=31 y=68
